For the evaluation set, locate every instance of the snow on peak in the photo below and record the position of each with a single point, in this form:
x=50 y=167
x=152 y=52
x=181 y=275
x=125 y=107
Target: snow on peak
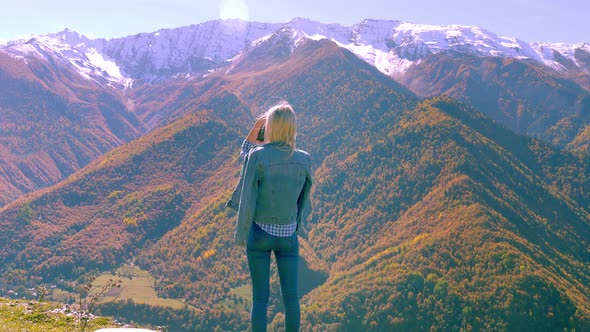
x=395 y=45
x=293 y=36
x=391 y=46
x=70 y=37
x=560 y=55
x=82 y=53
x=471 y=39
x=285 y=37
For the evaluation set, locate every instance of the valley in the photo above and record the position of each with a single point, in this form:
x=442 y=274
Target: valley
x=449 y=193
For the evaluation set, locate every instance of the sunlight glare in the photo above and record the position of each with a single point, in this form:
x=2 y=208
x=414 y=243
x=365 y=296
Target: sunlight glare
x=233 y=9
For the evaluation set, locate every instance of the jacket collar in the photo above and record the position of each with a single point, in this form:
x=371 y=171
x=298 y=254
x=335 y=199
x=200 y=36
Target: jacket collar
x=274 y=144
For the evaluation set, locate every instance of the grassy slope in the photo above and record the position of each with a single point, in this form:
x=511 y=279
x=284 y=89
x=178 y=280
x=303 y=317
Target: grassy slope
x=32 y=316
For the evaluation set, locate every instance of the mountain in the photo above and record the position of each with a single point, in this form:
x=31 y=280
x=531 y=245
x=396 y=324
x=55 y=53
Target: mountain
x=54 y=121
x=391 y=46
x=121 y=88
x=524 y=96
x=427 y=214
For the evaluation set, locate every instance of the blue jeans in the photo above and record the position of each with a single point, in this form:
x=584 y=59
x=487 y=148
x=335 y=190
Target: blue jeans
x=286 y=249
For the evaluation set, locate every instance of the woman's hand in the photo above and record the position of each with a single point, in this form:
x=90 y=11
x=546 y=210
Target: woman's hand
x=252 y=136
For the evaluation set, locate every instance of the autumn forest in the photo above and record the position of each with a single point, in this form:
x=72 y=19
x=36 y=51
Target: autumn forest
x=439 y=208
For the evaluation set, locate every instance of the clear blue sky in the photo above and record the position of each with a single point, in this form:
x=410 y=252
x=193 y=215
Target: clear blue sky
x=529 y=20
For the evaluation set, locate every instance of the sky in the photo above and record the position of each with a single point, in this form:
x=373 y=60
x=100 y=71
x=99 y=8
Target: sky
x=564 y=21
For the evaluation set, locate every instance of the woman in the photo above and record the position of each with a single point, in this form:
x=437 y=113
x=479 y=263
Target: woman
x=273 y=195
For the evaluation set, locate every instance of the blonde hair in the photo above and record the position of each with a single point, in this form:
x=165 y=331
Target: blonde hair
x=281 y=126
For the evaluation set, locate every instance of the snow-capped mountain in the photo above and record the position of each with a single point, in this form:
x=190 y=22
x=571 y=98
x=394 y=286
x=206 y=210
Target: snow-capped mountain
x=82 y=53
x=391 y=46
x=394 y=46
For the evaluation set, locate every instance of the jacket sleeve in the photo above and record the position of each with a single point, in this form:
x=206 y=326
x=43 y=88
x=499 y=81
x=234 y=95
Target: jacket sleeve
x=248 y=196
x=303 y=202
x=234 y=200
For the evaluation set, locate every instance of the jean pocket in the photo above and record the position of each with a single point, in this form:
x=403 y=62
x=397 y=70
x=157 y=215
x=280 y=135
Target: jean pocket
x=258 y=234
x=290 y=243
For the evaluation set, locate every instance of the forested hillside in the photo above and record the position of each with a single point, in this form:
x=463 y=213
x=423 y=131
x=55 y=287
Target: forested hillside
x=524 y=96
x=54 y=122
x=427 y=215
x=449 y=221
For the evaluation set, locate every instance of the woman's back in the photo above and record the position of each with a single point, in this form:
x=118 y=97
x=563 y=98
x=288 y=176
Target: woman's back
x=282 y=176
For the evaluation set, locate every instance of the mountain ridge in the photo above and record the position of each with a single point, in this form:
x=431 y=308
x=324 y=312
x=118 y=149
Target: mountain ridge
x=391 y=46
x=521 y=95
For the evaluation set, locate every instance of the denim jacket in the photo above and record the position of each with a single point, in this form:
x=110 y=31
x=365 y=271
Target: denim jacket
x=273 y=188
